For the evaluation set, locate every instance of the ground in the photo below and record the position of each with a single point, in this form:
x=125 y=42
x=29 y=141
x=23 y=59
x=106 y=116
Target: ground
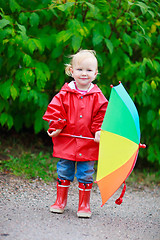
x=25 y=213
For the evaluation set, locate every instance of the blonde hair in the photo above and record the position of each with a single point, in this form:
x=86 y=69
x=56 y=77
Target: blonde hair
x=79 y=56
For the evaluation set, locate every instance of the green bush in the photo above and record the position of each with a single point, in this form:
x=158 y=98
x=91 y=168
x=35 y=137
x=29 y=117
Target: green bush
x=37 y=37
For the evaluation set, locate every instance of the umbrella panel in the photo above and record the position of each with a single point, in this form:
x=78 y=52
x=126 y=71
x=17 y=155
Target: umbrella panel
x=110 y=183
x=121 y=91
x=114 y=151
x=120 y=118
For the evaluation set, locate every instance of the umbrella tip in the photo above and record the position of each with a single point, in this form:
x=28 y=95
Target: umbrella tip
x=142 y=145
x=111 y=86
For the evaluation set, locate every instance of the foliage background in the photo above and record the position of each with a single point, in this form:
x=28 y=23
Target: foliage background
x=36 y=38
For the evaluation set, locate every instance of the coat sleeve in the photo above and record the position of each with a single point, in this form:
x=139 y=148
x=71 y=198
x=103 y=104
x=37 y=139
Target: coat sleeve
x=101 y=104
x=56 y=114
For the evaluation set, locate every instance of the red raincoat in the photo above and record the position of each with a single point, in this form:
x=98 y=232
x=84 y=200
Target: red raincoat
x=76 y=114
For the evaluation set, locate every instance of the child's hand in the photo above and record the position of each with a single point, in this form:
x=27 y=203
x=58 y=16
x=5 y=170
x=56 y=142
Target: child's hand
x=97 y=136
x=54 y=133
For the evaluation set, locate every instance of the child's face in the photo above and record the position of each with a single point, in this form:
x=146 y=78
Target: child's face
x=84 y=72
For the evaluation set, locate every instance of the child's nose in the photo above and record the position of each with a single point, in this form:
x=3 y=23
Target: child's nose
x=83 y=72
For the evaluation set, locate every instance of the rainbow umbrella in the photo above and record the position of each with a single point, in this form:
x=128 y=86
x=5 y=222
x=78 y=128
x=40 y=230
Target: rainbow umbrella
x=119 y=143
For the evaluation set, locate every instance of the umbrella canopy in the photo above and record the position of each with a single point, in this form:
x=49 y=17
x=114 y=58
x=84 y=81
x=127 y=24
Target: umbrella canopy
x=119 y=143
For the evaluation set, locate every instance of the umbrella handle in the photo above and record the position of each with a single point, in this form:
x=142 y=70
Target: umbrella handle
x=69 y=135
x=75 y=136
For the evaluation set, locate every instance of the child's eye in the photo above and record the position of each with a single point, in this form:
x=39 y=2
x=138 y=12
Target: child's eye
x=89 y=70
x=79 y=69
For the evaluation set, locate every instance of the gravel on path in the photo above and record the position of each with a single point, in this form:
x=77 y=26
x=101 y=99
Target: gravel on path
x=25 y=213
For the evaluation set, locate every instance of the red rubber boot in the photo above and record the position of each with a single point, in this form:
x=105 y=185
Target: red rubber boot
x=84 y=200
x=62 y=193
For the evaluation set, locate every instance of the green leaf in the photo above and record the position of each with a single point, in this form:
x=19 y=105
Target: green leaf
x=143 y=7
x=5 y=89
x=3 y=118
x=109 y=45
x=76 y=42
x=148 y=61
x=2 y=105
x=127 y=39
x=107 y=30
x=14 y=92
x=11 y=51
x=22 y=28
x=41 y=78
x=6 y=119
x=93 y=9
x=25 y=75
x=75 y=26
x=64 y=36
x=4 y=22
x=156 y=66
x=151 y=13
x=145 y=87
x=135 y=41
x=42 y=69
x=1 y=62
x=43 y=100
x=22 y=32
x=23 y=18
x=66 y=6
x=2 y=36
x=23 y=95
x=148 y=39
x=10 y=121
x=39 y=73
x=34 y=19
x=14 y=6
x=97 y=38
x=57 y=51
x=31 y=45
x=27 y=59
x=38 y=124
x=153 y=85
x=130 y=50
x=33 y=95
x=142 y=70
x=39 y=45
x=150 y=116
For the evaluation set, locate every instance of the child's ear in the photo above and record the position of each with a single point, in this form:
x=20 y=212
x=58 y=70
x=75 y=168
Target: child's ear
x=71 y=71
x=96 y=73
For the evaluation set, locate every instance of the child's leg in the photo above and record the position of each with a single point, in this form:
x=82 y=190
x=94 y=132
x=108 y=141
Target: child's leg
x=65 y=169
x=85 y=171
x=84 y=175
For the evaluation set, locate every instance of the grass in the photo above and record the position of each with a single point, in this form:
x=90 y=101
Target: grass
x=30 y=157
x=144 y=178
x=31 y=166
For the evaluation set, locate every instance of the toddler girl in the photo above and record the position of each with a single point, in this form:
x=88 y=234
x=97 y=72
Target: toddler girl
x=78 y=109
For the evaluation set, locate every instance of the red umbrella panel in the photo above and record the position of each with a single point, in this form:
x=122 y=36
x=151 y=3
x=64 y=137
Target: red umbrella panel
x=119 y=143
